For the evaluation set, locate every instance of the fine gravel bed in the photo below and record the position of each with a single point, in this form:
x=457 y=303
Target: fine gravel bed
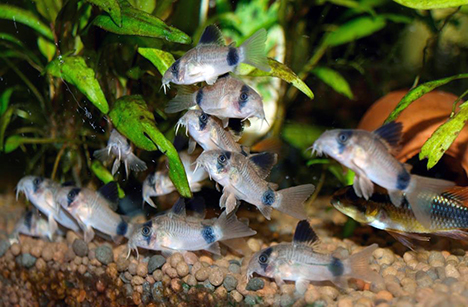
x=69 y=271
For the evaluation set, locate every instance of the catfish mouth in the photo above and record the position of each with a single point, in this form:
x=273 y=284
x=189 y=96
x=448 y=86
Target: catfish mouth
x=183 y=121
x=316 y=148
x=22 y=187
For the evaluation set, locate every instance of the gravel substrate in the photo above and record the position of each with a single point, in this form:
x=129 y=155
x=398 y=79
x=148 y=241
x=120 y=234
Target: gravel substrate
x=69 y=271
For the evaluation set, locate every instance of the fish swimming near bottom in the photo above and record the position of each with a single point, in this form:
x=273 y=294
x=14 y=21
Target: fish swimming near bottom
x=92 y=210
x=299 y=261
x=178 y=232
x=31 y=225
x=449 y=214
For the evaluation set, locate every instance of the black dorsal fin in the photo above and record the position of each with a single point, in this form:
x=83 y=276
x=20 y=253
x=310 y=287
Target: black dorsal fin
x=179 y=207
x=212 y=35
x=390 y=134
x=263 y=163
x=68 y=184
x=197 y=206
x=110 y=192
x=305 y=234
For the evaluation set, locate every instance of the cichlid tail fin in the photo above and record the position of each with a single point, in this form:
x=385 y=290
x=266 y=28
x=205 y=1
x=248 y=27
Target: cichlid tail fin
x=291 y=200
x=359 y=265
x=253 y=50
x=184 y=99
x=230 y=227
x=421 y=192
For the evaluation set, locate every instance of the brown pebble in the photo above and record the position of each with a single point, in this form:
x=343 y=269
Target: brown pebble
x=328 y=291
x=122 y=264
x=100 y=286
x=182 y=269
x=81 y=296
x=191 y=280
x=137 y=280
x=82 y=269
x=142 y=269
x=132 y=268
x=136 y=298
x=41 y=264
x=236 y=296
x=165 y=267
x=36 y=251
x=176 y=285
x=158 y=275
x=221 y=292
x=216 y=277
x=171 y=272
x=175 y=259
x=384 y=295
x=311 y=295
x=451 y=271
x=206 y=259
x=15 y=249
x=202 y=274
x=345 y=302
x=196 y=267
x=190 y=258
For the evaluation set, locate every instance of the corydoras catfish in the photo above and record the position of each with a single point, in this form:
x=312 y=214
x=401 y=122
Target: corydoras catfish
x=30 y=224
x=368 y=154
x=449 y=214
x=243 y=178
x=159 y=183
x=227 y=98
x=41 y=193
x=120 y=149
x=92 y=210
x=212 y=58
x=299 y=261
x=175 y=231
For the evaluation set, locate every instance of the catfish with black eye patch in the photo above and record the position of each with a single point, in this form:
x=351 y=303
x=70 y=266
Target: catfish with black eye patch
x=175 y=231
x=368 y=154
x=299 y=261
x=227 y=98
x=92 y=210
x=243 y=178
x=212 y=58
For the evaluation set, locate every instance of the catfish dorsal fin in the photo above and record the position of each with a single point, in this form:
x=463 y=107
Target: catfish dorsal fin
x=212 y=35
x=197 y=206
x=179 y=207
x=263 y=162
x=390 y=134
x=305 y=234
x=110 y=192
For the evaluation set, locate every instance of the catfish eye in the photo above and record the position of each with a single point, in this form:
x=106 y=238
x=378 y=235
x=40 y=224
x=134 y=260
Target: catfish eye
x=146 y=231
x=36 y=182
x=72 y=195
x=204 y=118
x=243 y=96
x=343 y=137
x=222 y=159
x=263 y=259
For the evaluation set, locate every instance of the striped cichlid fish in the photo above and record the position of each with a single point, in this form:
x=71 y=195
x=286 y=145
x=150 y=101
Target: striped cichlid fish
x=175 y=231
x=301 y=262
x=449 y=214
x=228 y=98
x=369 y=155
x=212 y=58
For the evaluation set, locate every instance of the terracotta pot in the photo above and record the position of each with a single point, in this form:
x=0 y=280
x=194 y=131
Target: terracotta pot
x=420 y=120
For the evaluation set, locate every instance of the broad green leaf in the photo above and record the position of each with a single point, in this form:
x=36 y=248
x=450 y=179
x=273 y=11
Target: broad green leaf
x=161 y=59
x=49 y=9
x=278 y=70
x=147 y=6
x=47 y=48
x=4 y=121
x=132 y=119
x=354 y=30
x=136 y=22
x=397 y=18
x=301 y=136
x=333 y=79
x=112 y=7
x=5 y=99
x=12 y=142
x=418 y=92
x=73 y=69
x=443 y=137
x=104 y=175
x=431 y=4
x=20 y=15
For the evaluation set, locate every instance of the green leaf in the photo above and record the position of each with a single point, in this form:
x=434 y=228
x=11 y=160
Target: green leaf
x=136 y=22
x=132 y=119
x=73 y=69
x=49 y=8
x=12 y=142
x=5 y=99
x=354 y=30
x=4 y=121
x=112 y=7
x=300 y=135
x=418 y=92
x=278 y=70
x=349 y=228
x=147 y=6
x=161 y=59
x=435 y=147
x=333 y=79
x=431 y=4
x=20 y=15
x=47 y=48
x=104 y=175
